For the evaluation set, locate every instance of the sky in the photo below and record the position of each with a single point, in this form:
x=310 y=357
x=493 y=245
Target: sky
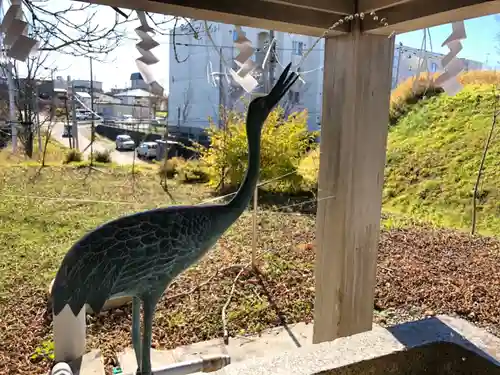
x=480 y=45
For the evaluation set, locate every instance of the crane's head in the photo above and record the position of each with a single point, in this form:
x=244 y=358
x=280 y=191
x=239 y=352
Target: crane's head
x=260 y=107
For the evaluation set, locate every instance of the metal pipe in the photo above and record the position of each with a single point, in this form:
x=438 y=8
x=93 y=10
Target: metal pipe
x=207 y=363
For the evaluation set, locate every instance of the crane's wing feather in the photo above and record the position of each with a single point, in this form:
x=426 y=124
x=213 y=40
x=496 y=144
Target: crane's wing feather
x=130 y=255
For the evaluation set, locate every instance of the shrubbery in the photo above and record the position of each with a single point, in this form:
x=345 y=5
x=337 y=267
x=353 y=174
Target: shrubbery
x=73 y=156
x=102 y=156
x=169 y=168
x=308 y=169
x=186 y=171
x=283 y=143
x=405 y=96
x=192 y=171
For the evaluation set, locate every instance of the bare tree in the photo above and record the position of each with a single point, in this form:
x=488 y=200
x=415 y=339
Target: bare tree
x=73 y=28
x=186 y=105
x=32 y=109
x=487 y=143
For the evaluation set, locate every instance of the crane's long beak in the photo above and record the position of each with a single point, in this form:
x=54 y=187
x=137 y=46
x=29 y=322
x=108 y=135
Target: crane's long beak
x=282 y=86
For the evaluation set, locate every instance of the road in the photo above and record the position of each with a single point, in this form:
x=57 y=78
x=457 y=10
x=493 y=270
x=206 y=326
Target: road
x=100 y=144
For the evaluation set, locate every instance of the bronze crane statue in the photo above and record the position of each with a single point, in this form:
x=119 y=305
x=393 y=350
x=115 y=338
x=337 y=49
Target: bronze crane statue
x=139 y=255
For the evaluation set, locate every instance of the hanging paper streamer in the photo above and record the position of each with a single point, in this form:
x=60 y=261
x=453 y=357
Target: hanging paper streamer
x=451 y=65
x=18 y=45
x=147 y=58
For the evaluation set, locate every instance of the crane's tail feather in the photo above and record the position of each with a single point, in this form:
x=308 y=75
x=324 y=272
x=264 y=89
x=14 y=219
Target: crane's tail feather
x=91 y=289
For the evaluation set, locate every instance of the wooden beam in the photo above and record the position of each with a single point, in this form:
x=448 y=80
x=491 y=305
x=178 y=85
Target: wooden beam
x=255 y=13
x=419 y=14
x=356 y=88
x=371 y=5
x=336 y=6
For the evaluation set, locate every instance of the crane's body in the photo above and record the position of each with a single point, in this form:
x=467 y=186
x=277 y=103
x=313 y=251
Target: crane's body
x=139 y=255
x=136 y=255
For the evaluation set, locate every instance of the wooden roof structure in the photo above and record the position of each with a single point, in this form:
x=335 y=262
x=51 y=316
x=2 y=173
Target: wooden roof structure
x=312 y=17
x=354 y=126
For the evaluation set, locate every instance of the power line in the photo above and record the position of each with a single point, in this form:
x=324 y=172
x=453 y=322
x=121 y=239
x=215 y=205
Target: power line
x=256 y=49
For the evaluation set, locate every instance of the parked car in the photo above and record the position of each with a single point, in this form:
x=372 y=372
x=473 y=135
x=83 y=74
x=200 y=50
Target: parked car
x=147 y=150
x=128 y=119
x=124 y=142
x=108 y=120
x=67 y=132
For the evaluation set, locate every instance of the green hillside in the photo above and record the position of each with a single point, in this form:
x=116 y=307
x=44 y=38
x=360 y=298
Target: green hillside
x=434 y=152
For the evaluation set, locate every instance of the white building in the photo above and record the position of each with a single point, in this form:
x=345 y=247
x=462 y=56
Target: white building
x=137 y=82
x=134 y=97
x=194 y=96
x=407 y=61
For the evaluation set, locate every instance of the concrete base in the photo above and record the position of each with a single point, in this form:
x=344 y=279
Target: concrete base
x=272 y=341
x=437 y=346
x=90 y=364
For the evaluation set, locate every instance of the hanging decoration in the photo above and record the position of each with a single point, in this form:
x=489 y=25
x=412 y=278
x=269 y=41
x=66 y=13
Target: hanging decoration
x=248 y=70
x=15 y=41
x=147 y=58
x=451 y=64
x=244 y=75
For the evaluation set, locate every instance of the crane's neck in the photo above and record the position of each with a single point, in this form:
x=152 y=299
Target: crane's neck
x=244 y=194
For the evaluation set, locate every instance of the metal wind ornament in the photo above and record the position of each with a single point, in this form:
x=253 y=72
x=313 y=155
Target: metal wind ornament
x=147 y=58
x=15 y=41
x=139 y=255
x=248 y=72
x=451 y=64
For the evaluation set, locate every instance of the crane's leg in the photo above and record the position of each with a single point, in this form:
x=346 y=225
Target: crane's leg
x=136 y=331
x=149 y=312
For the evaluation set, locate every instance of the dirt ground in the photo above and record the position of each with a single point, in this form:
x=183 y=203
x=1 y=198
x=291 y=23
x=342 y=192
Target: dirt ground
x=420 y=272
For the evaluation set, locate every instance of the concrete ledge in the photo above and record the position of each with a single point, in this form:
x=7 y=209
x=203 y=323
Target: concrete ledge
x=438 y=346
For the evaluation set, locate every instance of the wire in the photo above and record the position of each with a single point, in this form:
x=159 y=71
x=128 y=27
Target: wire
x=62 y=199
x=231 y=47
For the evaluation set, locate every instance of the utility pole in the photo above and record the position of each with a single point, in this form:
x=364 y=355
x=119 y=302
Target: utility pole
x=12 y=106
x=272 y=59
x=36 y=107
x=74 y=122
x=400 y=47
x=92 y=128
x=222 y=101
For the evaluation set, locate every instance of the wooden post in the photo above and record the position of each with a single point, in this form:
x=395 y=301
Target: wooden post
x=355 y=119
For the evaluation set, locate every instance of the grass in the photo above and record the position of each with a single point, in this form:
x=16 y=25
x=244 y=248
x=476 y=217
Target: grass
x=42 y=215
x=433 y=157
x=56 y=153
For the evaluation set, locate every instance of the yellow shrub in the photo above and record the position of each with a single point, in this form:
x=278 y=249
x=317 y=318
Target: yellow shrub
x=405 y=95
x=192 y=171
x=73 y=156
x=283 y=143
x=171 y=167
x=309 y=168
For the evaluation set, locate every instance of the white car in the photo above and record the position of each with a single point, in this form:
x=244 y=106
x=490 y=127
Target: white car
x=128 y=119
x=147 y=150
x=124 y=142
